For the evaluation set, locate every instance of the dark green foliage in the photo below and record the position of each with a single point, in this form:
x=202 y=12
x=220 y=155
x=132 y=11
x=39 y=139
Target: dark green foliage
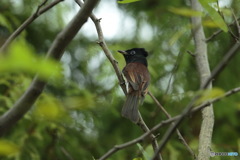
x=83 y=118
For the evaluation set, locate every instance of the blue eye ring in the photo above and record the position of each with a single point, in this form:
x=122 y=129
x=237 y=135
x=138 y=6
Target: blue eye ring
x=132 y=52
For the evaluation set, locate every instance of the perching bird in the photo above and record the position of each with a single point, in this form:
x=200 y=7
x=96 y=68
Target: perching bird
x=138 y=77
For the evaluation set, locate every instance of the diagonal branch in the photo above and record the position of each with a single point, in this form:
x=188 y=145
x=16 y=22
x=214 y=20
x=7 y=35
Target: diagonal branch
x=177 y=130
x=237 y=24
x=220 y=31
x=56 y=50
x=173 y=119
x=222 y=64
x=108 y=54
x=217 y=70
x=145 y=129
x=105 y=49
x=28 y=21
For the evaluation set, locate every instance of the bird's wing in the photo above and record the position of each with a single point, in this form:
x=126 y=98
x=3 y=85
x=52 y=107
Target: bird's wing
x=129 y=75
x=138 y=76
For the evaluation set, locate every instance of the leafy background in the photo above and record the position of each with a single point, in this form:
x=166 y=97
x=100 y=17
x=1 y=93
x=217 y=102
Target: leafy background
x=78 y=115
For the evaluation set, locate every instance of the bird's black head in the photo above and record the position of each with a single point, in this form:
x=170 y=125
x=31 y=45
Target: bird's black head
x=135 y=55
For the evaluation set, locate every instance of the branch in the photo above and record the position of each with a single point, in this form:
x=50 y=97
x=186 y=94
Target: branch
x=145 y=129
x=207 y=103
x=174 y=70
x=201 y=58
x=65 y=152
x=237 y=24
x=56 y=50
x=137 y=140
x=221 y=65
x=219 y=31
x=114 y=63
x=178 y=132
x=105 y=49
x=38 y=12
x=156 y=127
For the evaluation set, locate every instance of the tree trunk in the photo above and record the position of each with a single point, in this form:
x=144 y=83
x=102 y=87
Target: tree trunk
x=205 y=137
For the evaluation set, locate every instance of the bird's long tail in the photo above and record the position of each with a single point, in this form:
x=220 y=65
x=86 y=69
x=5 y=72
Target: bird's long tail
x=130 y=108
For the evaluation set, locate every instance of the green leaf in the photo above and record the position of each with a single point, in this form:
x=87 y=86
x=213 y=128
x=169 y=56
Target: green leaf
x=210 y=24
x=8 y=148
x=21 y=57
x=85 y=101
x=214 y=15
x=145 y=154
x=210 y=94
x=127 y=1
x=4 y=22
x=48 y=108
x=185 y=12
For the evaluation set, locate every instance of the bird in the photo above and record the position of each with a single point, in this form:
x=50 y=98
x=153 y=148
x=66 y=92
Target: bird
x=138 y=79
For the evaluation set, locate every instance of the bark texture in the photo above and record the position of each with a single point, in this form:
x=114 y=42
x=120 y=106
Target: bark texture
x=56 y=50
x=205 y=137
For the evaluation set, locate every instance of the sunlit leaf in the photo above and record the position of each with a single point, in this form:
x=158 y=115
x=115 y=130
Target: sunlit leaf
x=48 y=108
x=210 y=94
x=210 y=24
x=127 y=1
x=8 y=148
x=138 y=158
x=80 y=102
x=145 y=154
x=185 y=12
x=214 y=15
x=21 y=58
x=226 y=11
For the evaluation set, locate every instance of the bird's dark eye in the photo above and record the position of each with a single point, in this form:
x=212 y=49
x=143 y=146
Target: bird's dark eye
x=132 y=52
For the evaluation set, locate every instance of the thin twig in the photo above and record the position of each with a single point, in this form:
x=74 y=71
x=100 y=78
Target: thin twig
x=145 y=129
x=156 y=127
x=192 y=54
x=218 y=69
x=66 y=153
x=136 y=140
x=177 y=130
x=105 y=49
x=229 y=29
x=176 y=65
x=174 y=70
x=216 y=33
x=108 y=54
x=40 y=6
x=207 y=103
x=237 y=23
x=222 y=64
x=27 y=22
x=25 y=102
x=159 y=104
